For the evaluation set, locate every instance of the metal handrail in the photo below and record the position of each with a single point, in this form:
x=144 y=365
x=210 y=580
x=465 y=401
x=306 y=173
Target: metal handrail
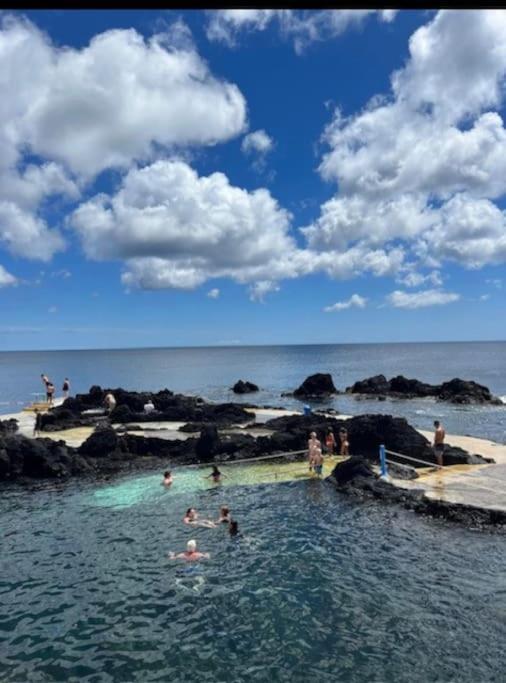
x=408 y=457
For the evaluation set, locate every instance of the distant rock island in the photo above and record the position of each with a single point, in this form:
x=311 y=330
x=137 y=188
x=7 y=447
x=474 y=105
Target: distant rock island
x=454 y=391
x=241 y=387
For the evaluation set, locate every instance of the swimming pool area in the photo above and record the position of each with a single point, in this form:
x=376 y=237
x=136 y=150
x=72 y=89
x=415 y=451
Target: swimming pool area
x=316 y=586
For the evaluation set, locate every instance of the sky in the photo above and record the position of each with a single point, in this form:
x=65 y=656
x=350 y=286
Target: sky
x=236 y=177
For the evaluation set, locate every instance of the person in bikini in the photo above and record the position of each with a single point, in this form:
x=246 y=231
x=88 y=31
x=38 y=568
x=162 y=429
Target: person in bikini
x=345 y=444
x=330 y=441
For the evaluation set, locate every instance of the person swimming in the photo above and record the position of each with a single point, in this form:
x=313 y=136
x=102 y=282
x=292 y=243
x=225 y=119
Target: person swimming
x=191 y=554
x=191 y=517
x=233 y=527
x=224 y=514
x=167 y=479
x=215 y=474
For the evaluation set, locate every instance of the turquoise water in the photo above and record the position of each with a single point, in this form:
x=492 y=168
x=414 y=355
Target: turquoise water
x=319 y=587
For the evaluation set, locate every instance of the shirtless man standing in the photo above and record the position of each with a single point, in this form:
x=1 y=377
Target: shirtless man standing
x=312 y=444
x=439 y=438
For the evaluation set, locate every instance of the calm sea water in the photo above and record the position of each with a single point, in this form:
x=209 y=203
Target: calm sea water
x=210 y=372
x=319 y=588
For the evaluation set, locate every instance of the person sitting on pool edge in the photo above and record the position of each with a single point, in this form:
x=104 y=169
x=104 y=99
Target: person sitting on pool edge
x=191 y=517
x=167 y=479
x=215 y=474
x=191 y=554
x=224 y=514
x=317 y=461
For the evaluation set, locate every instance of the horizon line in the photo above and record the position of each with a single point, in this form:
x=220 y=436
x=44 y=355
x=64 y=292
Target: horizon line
x=245 y=346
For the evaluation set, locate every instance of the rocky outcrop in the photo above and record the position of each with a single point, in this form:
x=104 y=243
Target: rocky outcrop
x=241 y=387
x=319 y=385
x=130 y=409
x=355 y=477
x=8 y=426
x=455 y=391
x=367 y=432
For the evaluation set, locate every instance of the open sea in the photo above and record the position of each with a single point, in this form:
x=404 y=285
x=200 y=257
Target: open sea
x=210 y=372
x=318 y=587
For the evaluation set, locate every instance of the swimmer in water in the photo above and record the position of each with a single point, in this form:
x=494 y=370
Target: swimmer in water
x=233 y=528
x=167 y=479
x=191 y=517
x=191 y=554
x=317 y=461
x=215 y=474
x=224 y=515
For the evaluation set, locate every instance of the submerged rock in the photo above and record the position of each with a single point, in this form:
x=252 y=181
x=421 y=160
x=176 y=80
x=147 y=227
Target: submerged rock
x=241 y=387
x=318 y=385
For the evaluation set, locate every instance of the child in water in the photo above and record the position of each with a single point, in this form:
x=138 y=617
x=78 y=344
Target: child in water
x=191 y=517
x=167 y=479
x=317 y=461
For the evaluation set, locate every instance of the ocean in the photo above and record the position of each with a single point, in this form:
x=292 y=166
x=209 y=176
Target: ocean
x=210 y=372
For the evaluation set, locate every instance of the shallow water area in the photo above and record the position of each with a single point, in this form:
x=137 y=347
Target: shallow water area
x=317 y=586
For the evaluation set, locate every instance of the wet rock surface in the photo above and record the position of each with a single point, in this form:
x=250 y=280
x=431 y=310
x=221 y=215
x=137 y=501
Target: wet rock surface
x=454 y=391
x=316 y=386
x=241 y=387
x=8 y=426
x=355 y=477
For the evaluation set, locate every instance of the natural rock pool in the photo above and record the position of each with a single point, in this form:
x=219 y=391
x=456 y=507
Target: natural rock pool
x=319 y=587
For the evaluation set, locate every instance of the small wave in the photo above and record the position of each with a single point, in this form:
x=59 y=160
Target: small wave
x=502 y=399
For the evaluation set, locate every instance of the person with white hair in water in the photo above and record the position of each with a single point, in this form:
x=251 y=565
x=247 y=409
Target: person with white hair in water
x=191 y=554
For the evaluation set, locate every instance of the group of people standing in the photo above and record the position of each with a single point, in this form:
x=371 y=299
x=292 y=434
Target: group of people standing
x=50 y=388
x=315 y=451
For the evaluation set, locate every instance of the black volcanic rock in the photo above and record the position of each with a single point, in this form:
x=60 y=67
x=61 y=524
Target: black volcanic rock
x=8 y=426
x=208 y=444
x=373 y=385
x=454 y=391
x=318 y=385
x=462 y=391
x=241 y=387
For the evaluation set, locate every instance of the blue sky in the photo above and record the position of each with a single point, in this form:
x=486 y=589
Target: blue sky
x=251 y=177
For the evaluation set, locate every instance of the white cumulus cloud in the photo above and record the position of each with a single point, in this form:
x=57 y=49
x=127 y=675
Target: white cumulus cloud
x=428 y=297
x=6 y=279
x=355 y=300
x=259 y=290
x=423 y=167
x=213 y=293
x=302 y=27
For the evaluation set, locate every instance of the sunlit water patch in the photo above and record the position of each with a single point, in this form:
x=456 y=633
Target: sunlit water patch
x=318 y=587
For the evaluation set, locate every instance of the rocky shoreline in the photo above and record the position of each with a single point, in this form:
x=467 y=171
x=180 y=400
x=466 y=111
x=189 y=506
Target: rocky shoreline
x=211 y=433
x=356 y=478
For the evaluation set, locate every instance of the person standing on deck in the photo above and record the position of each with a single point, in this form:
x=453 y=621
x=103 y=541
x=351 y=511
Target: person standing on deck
x=312 y=444
x=317 y=461
x=439 y=438
x=330 y=441
x=66 y=387
x=345 y=444
x=49 y=393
